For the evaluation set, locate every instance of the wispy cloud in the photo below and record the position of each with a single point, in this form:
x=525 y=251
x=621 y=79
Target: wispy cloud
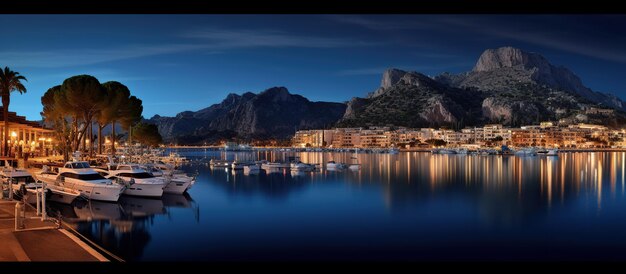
x=578 y=42
x=208 y=41
x=377 y=22
x=225 y=38
x=575 y=41
x=102 y=74
x=78 y=57
x=380 y=70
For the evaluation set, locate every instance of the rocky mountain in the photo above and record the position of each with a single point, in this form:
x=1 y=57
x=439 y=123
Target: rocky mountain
x=273 y=113
x=414 y=100
x=507 y=85
x=503 y=69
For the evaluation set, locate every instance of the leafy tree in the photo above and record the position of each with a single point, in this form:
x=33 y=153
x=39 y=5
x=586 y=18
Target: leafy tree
x=9 y=81
x=131 y=115
x=81 y=97
x=72 y=107
x=56 y=116
x=147 y=134
x=119 y=107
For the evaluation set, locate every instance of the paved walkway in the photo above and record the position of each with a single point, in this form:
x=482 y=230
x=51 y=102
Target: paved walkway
x=39 y=245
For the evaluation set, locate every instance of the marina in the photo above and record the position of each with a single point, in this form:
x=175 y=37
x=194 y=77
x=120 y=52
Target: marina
x=341 y=208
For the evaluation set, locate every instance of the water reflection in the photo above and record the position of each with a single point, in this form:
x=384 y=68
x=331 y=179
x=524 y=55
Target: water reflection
x=505 y=187
x=123 y=227
x=404 y=206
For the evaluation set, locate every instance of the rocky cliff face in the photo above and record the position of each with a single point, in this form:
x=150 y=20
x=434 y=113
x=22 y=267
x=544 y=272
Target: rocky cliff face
x=507 y=85
x=273 y=113
x=504 y=68
x=411 y=99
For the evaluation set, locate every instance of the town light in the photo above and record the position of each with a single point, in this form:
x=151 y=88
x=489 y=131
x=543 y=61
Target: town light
x=49 y=140
x=13 y=134
x=42 y=139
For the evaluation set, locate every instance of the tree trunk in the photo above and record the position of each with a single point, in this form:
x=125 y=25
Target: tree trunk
x=5 y=105
x=90 y=138
x=113 y=139
x=100 y=127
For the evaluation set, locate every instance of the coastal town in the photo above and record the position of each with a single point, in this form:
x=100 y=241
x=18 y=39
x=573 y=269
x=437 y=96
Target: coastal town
x=546 y=135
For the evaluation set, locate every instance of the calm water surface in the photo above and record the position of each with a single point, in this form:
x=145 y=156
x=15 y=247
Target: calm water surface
x=409 y=206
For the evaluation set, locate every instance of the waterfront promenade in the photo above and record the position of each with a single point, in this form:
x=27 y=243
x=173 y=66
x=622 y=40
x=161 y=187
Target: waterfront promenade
x=39 y=241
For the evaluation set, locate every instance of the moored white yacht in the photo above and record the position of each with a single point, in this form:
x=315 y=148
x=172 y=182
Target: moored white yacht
x=177 y=183
x=334 y=165
x=141 y=182
x=24 y=185
x=300 y=166
x=274 y=165
x=553 y=152
x=81 y=177
x=528 y=151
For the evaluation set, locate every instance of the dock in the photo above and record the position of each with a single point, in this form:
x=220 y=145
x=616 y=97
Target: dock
x=40 y=241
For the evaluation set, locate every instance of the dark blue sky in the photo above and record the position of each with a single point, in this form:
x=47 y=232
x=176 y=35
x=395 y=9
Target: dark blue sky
x=188 y=62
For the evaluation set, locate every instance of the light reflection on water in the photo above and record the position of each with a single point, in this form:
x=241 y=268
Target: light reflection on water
x=412 y=205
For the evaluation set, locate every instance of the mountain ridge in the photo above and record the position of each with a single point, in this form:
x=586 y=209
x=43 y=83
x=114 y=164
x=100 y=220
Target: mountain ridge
x=506 y=85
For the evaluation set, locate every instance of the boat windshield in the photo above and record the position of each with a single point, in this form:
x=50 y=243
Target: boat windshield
x=90 y=177
x=79 y=165
x=140 y=175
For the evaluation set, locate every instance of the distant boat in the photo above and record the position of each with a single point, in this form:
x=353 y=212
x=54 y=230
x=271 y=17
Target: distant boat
x=220 y=163
x=526 y=152
x=553 y=152
x=394 y=151
x=251 y=169
x=300 y=166
x=335 y=165
x=443 y=151
x=270 y=165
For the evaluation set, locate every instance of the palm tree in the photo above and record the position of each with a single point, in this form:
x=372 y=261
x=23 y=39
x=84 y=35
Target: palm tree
x=9 y=81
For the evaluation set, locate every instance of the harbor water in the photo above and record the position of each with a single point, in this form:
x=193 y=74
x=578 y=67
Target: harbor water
x=407 y=206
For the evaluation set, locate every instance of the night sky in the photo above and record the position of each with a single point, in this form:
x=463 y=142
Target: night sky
x=188 y=62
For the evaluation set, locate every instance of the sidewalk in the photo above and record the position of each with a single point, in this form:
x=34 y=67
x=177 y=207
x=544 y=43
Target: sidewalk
x=39 y=245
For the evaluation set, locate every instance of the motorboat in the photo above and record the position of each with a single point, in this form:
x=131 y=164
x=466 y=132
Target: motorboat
x=140 y=182
x=79 y=176
x=526 y=152
x=443 y=151
x=177 y=182
x=220 y=163
x=274 y=165
x=236 y=165
x=335 y=165
x=300 y=166
x=24 y=185
x=252 y=169
x=553 y=152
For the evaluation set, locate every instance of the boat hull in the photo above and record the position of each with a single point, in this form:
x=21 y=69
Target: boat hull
x=176 y=187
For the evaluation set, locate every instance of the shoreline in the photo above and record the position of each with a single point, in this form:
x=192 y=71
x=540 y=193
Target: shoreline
x=383 y=150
